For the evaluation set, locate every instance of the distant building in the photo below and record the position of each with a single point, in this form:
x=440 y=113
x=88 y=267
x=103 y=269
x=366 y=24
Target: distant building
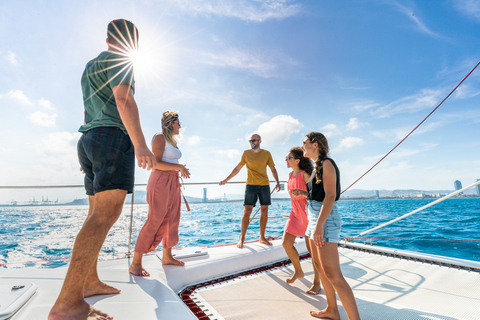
x=377 y=194
x=458 y=186
x=478 y=188
x=204 y=194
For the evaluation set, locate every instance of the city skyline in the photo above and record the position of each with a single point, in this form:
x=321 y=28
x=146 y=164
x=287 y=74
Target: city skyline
x=365 y=74
x=353 y=193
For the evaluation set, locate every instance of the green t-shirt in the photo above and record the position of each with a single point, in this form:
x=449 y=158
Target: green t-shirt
x=101 y=74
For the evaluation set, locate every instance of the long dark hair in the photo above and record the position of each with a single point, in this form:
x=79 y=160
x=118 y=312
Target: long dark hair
x=305 y=163
x=323 y=150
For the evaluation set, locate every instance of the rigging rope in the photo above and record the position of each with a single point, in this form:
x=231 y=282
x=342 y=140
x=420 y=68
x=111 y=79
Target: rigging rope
x=413 y=129
x=419 y=209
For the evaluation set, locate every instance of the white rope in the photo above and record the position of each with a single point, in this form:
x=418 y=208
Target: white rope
x=419 y=209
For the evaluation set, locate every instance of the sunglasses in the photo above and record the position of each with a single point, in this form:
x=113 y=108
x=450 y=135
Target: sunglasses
x=305 y=142
x=253 y=140
x=288 y=158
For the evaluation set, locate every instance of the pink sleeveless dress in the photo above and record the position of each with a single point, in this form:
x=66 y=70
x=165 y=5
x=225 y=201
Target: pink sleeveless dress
x=297 y=221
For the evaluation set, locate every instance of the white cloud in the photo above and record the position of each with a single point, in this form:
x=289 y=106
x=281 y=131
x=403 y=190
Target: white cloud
x=193 y=140
x=329 y=130
x=470 y=8
x=231 y=153
x=43 y=119
x=359 y=107
x=58 y=145
x=12 y=58
x=278 y=129
x=350 y=142
x=17 y=96
x=256 y=10
x=244 y=61
x=409 y=13
x=45 y=103
x=426 y=98
x=353 y=124
x=397 y=134
x=465 y=91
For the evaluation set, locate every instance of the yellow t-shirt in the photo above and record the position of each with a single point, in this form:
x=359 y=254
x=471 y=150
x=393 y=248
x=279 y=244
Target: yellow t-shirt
x=257 y=166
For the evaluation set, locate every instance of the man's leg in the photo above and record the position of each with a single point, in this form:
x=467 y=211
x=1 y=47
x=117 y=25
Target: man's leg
x=70 y=303
x=93 y=285
x=247 y=211
x=263 y=224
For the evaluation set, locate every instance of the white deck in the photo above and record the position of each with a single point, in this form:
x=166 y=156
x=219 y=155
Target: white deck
x=385 y=288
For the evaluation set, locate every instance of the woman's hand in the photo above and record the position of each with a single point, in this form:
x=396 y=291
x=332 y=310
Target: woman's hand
x=298 y=192
x=318 y=235
x=184 y=172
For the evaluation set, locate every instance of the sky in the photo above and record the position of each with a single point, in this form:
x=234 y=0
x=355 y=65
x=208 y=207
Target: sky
x=364 y=73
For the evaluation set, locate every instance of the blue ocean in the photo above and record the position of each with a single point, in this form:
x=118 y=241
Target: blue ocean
x=43 y=236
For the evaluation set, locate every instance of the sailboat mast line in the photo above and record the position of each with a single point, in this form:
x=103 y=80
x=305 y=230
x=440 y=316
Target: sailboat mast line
x=413 y=129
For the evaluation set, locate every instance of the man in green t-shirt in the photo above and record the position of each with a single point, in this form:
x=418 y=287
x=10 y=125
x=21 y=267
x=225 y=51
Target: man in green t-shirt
x=257 y=186
x=111 y=139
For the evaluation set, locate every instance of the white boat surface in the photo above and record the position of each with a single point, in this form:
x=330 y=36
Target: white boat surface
x=386 y=285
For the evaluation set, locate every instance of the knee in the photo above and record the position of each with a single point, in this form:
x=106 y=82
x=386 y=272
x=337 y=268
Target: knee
x=334 y=276
x=104 y=218
x=316 y=264
x=286 y=243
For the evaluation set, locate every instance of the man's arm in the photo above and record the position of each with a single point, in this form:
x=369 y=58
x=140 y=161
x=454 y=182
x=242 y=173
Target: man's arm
x=275 y=176
x=235 y=171
x=128 y=110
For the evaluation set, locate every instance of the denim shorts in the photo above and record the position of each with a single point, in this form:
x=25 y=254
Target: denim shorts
x=252 y=193
x=333 y=225
x=107 y=157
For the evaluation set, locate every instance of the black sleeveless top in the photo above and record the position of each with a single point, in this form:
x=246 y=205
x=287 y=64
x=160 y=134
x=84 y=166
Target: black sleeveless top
x=316 y=191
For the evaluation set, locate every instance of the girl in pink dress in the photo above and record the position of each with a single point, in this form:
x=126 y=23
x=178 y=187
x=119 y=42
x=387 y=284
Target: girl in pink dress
x=297 y=221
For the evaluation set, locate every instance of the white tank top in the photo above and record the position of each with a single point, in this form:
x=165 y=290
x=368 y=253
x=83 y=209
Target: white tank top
x=171 y=154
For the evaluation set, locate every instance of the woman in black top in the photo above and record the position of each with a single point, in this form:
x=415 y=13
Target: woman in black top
x=323 y=189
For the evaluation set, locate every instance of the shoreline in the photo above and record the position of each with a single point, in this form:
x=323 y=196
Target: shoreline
x=240 y=200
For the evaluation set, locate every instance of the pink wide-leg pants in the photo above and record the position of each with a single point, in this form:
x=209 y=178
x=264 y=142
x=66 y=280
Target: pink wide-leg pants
x=163 y=197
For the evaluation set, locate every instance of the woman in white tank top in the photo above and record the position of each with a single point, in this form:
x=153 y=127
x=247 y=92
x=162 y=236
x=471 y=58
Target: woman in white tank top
x=163 y=197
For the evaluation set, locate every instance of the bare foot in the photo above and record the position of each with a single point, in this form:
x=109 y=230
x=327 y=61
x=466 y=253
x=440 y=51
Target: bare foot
x=296 y=275
x=240 y=244
x=172 y=261
x=80 y=311
x=265 y=241
x=138 y=270
x=324 y=314
x=99 y=288
x=314 y=289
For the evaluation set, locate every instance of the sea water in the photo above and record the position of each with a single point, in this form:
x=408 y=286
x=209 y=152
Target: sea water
x=43 y=236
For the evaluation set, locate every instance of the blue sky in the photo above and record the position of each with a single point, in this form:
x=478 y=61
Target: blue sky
x=365 y=73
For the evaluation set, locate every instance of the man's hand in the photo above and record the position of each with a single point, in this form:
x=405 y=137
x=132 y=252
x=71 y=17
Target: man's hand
x=145 y=158
x=278 y=187
x=222 y=183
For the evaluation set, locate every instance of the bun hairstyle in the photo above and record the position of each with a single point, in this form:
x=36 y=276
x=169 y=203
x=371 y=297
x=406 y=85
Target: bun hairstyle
x=321 y=141
x=305 y=163
x=168 y=117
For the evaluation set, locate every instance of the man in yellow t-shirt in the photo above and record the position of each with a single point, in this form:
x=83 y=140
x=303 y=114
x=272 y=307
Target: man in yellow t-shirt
x=257 y=186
